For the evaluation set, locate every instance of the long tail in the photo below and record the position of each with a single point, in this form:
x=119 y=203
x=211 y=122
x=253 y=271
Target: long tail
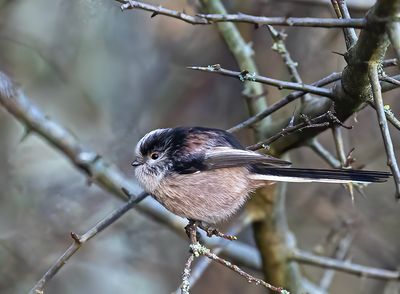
x=306 y=175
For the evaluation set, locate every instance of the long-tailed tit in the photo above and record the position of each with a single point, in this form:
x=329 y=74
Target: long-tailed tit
x=206 y=175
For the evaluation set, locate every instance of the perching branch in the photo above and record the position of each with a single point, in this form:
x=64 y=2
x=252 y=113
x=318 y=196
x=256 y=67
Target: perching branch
x=202 y=264
x=205 y=19
x=79 y=241
x=198 y=250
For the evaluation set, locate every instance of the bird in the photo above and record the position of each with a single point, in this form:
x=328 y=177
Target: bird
x=206 y=175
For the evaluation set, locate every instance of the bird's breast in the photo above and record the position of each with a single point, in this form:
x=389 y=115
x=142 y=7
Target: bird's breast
x=210 y=196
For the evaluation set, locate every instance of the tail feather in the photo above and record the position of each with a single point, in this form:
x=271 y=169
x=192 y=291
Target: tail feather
x=306 y=175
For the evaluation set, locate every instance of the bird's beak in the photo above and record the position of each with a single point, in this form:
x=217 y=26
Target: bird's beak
x=136 y=163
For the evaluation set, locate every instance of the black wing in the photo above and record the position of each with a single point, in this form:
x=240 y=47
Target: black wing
x=206 y=149
x=221 y=157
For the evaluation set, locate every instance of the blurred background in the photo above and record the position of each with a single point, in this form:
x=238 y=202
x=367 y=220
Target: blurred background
x=110 y=77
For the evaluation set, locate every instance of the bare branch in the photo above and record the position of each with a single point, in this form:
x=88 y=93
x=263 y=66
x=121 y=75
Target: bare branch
x=387 y=140
x=393 y=30
x=390 y=80
x=205 y=19
x=389 y=115
x=185 y=286
x=79 y=241
x=343 y=266
x=322 y=121
x=317 y=147
x=343 y=13
x=85 y=159
x=281 y=103
x=339 y=144
x=340 y=254
x=247 y=76
x=295 y=95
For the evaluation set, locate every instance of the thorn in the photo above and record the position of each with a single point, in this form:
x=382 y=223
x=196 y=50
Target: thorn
x=25 y=135
x=154 y=14
x=338 y=53
x=126 y=192
x=89 y=181
x=291 y=122
x=360 y=191
x=76 y=237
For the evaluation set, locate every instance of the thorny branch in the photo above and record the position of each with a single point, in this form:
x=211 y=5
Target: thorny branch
x=206 y=19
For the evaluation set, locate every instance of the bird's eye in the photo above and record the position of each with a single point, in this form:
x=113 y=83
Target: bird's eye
x=154 y=155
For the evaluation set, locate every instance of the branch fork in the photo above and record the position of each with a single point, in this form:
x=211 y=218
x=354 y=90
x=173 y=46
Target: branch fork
x=198 y=250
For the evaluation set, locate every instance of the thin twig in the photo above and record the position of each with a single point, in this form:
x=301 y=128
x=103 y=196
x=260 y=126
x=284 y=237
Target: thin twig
x=387 y=140
x=393 y=30
x=281 y=103
x=239 y=271
x=390 y=62
x=247 y=76
x=343 y=13
x=339 y=144
x=319 y=149
x=340 y=254
x=343 y=266
x=79 y=241
x=185 y=286
x=205 y=19
x=280 y=47
x=323 y=121
x=389 y=115
x=390 y=80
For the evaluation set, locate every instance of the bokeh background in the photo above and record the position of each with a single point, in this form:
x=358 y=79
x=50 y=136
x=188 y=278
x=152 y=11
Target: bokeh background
x=110 y=77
